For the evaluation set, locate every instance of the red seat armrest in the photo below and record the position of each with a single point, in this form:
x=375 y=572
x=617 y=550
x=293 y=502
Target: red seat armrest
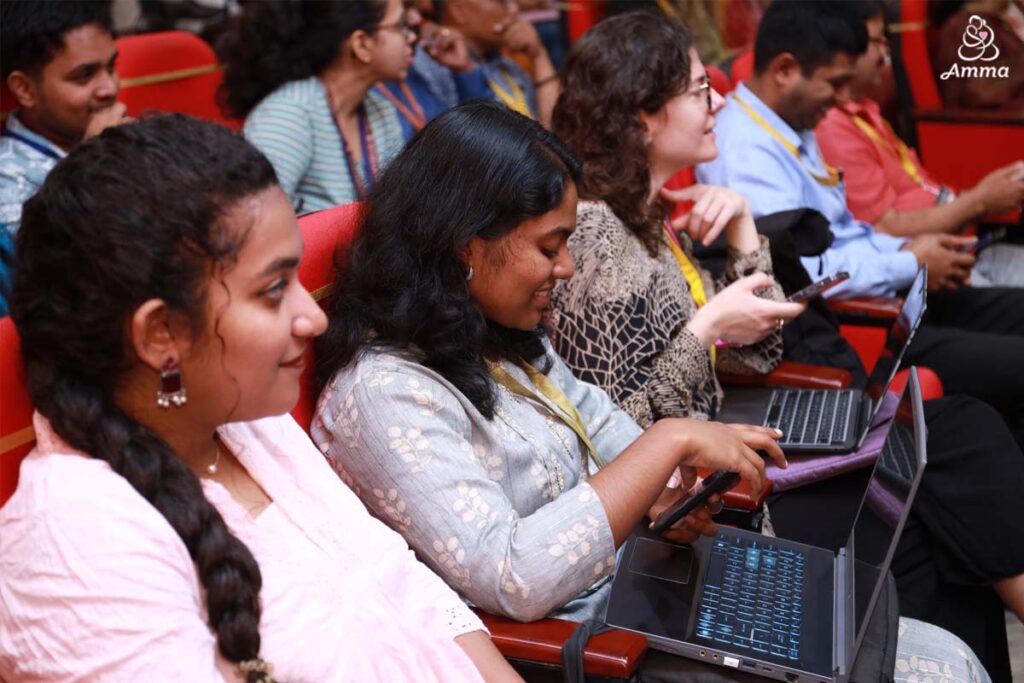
x=790 y=374
x=613 y=654
x=873 y=310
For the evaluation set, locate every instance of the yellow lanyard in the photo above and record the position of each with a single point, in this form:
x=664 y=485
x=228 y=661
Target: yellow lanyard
x=690 y=273
x=514 y=100
x=834 y=175
x=900 y=152
x=566 y=412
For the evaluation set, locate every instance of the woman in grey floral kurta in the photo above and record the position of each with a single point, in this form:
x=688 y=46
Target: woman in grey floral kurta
x=492 y=488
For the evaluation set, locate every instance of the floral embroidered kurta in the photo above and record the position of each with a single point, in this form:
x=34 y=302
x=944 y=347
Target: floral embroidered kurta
x=95 y=585
x=500 y=508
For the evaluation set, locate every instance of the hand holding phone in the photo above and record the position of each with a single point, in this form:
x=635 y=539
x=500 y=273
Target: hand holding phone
x=717 y=482
x=815 y=289
x=985 y=241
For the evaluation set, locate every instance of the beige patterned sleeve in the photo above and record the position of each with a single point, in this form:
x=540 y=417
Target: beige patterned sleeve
x=765 y=355
x=620 y=323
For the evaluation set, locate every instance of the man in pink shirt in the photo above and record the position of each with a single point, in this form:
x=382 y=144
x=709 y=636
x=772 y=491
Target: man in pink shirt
x=887 y=185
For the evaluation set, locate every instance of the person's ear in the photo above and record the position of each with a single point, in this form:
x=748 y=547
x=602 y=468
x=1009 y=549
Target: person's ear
x=651 y=124
x=785 y=71
x=361 y=44
x=157 y=334
x=473 y=256
x=24 y=88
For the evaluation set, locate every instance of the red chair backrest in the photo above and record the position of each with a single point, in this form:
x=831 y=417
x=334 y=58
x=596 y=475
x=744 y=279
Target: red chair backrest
x=581 y=16
x=16 y=434
x=742 y=67
x=325 y=234
x=719 y=80
x=917 y=62
x=170 y=71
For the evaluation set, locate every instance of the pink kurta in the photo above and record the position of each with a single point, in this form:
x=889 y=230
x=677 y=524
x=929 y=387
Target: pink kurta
x=96 y=586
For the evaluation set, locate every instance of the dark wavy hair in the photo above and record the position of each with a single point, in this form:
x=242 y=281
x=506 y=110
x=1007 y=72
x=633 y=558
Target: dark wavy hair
x=479 y=170
x=32 y=31
x=131 y=215
x=627 y=64
x=278 y=41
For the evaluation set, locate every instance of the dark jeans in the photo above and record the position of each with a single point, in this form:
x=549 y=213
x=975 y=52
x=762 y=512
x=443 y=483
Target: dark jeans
x=973 y=339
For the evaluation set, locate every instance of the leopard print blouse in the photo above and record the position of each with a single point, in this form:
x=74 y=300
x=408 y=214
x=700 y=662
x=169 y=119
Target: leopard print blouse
x=620 y=322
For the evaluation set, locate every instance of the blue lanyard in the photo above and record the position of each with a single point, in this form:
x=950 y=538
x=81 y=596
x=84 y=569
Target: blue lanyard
x=369 y=152
x=33 y=144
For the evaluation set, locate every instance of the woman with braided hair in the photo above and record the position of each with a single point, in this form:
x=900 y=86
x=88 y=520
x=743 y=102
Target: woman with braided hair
x=173 y=522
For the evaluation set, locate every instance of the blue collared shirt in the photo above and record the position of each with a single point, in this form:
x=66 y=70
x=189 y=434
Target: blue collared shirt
x=451 y=87
x=755 y=164
x=427 y=78
x=26 y=158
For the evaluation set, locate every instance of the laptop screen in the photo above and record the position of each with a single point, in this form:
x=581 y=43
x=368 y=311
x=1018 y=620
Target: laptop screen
x=883 y=510
x=898 y=339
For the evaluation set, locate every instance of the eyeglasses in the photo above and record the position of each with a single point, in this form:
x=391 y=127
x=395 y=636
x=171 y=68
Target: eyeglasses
x=402 y=25
x=704 y=85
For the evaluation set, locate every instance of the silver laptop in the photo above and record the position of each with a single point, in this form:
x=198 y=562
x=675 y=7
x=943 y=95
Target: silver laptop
x=830 y=421
x=769 y=606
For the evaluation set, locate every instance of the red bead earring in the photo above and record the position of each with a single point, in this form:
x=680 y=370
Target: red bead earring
x=172 y=391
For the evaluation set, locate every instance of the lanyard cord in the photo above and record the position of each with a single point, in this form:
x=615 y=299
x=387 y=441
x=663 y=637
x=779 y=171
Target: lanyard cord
x=513 y=98
x=33 y=144
x=368 y=148
x=566 y=412
x=413 y=113
x=690 y=273
x=834 y=177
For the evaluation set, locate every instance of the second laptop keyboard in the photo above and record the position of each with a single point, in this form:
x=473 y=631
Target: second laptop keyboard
x=753 y=597
x=815 y=417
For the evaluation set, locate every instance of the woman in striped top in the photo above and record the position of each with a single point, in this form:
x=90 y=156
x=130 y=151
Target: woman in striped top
x=302 y=74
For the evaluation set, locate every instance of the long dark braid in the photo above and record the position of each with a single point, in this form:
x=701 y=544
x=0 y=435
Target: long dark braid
x=129 y=216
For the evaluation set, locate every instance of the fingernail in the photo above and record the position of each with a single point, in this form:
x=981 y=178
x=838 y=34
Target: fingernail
x=778 y=432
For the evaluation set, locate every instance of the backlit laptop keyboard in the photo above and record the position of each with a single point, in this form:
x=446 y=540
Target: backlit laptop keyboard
x=753 y=597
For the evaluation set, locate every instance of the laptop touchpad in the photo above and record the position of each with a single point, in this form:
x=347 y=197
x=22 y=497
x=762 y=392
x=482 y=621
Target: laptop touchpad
x=659 y=560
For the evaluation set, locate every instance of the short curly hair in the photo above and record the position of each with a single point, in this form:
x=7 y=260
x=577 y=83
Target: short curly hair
x=278 y=41
x=627 y=64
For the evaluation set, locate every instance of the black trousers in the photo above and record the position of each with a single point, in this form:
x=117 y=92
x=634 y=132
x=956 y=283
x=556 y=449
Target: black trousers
x=973 y=339
x=963 y=533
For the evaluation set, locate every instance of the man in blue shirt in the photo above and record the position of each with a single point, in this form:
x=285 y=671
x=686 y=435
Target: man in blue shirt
x=803 y=62
x=57 y=59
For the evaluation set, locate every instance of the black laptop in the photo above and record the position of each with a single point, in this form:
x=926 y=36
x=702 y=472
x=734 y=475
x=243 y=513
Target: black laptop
x=830 y=421
x=769 y=606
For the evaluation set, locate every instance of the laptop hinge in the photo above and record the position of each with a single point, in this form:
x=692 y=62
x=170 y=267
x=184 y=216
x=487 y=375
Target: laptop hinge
x=843 y=615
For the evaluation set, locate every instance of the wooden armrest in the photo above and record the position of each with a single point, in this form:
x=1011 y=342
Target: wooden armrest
x=741 y=497
x=871 y=310
x=614 y=654
x=790 y=374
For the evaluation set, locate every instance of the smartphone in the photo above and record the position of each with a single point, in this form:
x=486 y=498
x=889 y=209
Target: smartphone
x=985 y=241
x=717 y=482
x=813 y=290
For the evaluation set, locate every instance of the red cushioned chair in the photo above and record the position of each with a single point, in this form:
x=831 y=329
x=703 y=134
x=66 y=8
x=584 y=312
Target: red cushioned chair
x=719 y=80
x=170 y=71
x=16 y=434
x=994 y=137
x=580 y=16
